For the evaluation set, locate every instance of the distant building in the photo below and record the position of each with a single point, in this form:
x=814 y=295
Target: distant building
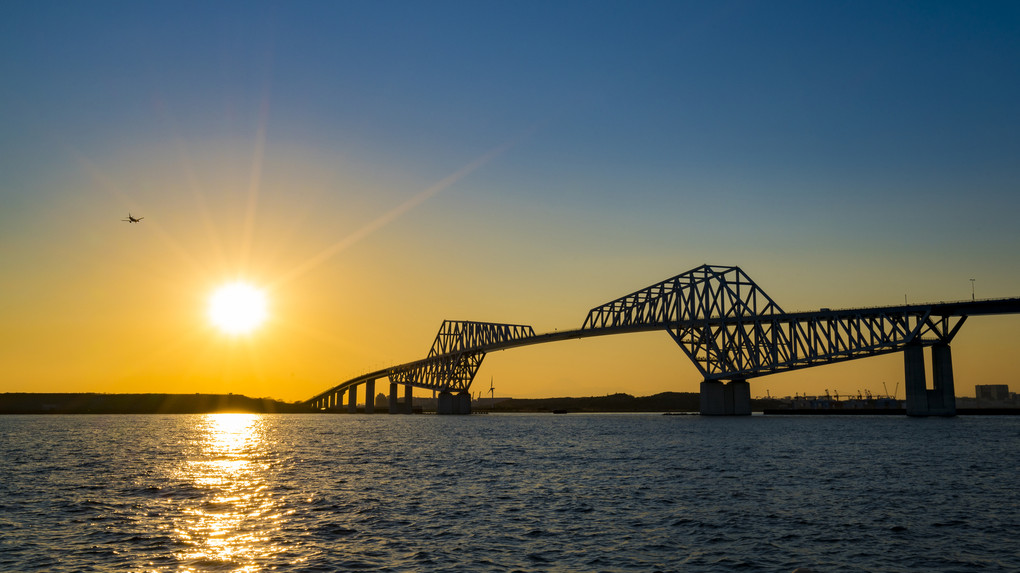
x=992 y=392
x=870 y=402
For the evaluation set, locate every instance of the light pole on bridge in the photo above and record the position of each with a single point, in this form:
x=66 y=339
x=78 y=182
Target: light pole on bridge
x=972 y=299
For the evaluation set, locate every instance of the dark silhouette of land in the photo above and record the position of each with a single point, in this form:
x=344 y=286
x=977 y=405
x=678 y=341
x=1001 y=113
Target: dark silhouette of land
x=97 y=403
x=663 y=402
x=94 y=403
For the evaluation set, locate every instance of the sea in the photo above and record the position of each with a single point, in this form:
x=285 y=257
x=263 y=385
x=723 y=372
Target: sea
x=509 y=492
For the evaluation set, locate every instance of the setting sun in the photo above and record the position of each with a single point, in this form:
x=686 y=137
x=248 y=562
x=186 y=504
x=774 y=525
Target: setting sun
x=237 y=308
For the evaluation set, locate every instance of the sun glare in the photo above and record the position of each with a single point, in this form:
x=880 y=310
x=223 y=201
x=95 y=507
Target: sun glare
x=237 y=308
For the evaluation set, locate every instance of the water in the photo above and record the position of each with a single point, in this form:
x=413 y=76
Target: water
x=508 y=493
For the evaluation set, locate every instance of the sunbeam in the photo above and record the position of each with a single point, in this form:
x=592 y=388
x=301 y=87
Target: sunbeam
x=395 y=213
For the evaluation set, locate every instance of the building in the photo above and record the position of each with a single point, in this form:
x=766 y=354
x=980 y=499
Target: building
x=992 y=392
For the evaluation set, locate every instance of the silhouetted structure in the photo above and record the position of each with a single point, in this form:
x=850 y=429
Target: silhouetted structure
x=992 y=392
x=94 y=403
x=730 y=329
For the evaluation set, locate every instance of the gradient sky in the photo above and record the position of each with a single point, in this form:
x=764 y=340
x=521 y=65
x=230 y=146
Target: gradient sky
x=381 y=166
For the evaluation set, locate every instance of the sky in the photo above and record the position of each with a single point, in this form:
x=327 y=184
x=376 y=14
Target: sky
x=378 y=167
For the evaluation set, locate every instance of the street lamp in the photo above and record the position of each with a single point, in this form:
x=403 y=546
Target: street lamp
x=972 y=290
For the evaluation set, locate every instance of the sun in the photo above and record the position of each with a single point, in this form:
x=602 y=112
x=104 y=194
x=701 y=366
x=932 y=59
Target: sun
x=238 y=308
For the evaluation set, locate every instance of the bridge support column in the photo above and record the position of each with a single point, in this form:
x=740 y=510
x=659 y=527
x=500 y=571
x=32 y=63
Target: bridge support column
x=730 y=399
x=462 y=403
x=408 y=409
x=352 y=400
x=914 y=380
x=740 y=393
x=370 y=397
x=445 y=403
x=942 y=380
x=393 y=397
x=712 y=402
x=940 y=401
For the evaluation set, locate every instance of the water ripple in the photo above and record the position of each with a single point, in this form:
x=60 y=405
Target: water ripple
x=507 y=493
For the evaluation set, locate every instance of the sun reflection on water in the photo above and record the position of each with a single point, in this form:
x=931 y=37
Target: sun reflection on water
x=229 y=523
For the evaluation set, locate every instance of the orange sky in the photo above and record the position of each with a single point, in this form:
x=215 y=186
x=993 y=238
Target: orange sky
x=377 y=171
x=113 y=307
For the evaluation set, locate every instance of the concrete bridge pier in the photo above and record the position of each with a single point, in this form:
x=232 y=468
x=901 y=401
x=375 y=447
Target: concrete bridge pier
x=463 y=403
x=352 y=400
x=408 y=389
x=445 y=403
x=941 y=399
x=393 y=398
x=459 y=404
x=730 y=399
x=370 y=397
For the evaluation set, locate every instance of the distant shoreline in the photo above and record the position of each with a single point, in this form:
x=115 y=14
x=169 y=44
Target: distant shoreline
x=97 y=403
x=22 y=403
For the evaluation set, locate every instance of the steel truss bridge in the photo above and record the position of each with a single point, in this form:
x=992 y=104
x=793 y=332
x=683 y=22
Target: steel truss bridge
x=726 y=325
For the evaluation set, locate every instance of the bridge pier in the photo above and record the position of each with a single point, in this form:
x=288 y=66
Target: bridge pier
x=463 y=403
x=352 y=400
x=370 y=397
x=730 y=399
x=939 y=401
x=445 y=403
x=459 y=404
x=408 y=409
x=393 y=398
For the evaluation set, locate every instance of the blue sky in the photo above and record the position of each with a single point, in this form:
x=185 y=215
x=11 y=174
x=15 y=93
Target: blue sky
x=842 y=153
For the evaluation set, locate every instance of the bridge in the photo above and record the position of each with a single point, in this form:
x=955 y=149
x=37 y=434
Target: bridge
x=726 y=325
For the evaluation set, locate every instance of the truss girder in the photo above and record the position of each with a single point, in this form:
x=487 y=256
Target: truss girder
x=457 y=335
x=447 y=373
x=741 y=349
x=709 y=291
x=454 y=358
x=731 y=329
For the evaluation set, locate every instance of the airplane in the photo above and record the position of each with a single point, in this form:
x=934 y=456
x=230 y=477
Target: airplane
x=131 y=219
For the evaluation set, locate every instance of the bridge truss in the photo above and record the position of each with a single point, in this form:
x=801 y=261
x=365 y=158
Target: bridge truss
x=731 y=329
x=456 y=354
